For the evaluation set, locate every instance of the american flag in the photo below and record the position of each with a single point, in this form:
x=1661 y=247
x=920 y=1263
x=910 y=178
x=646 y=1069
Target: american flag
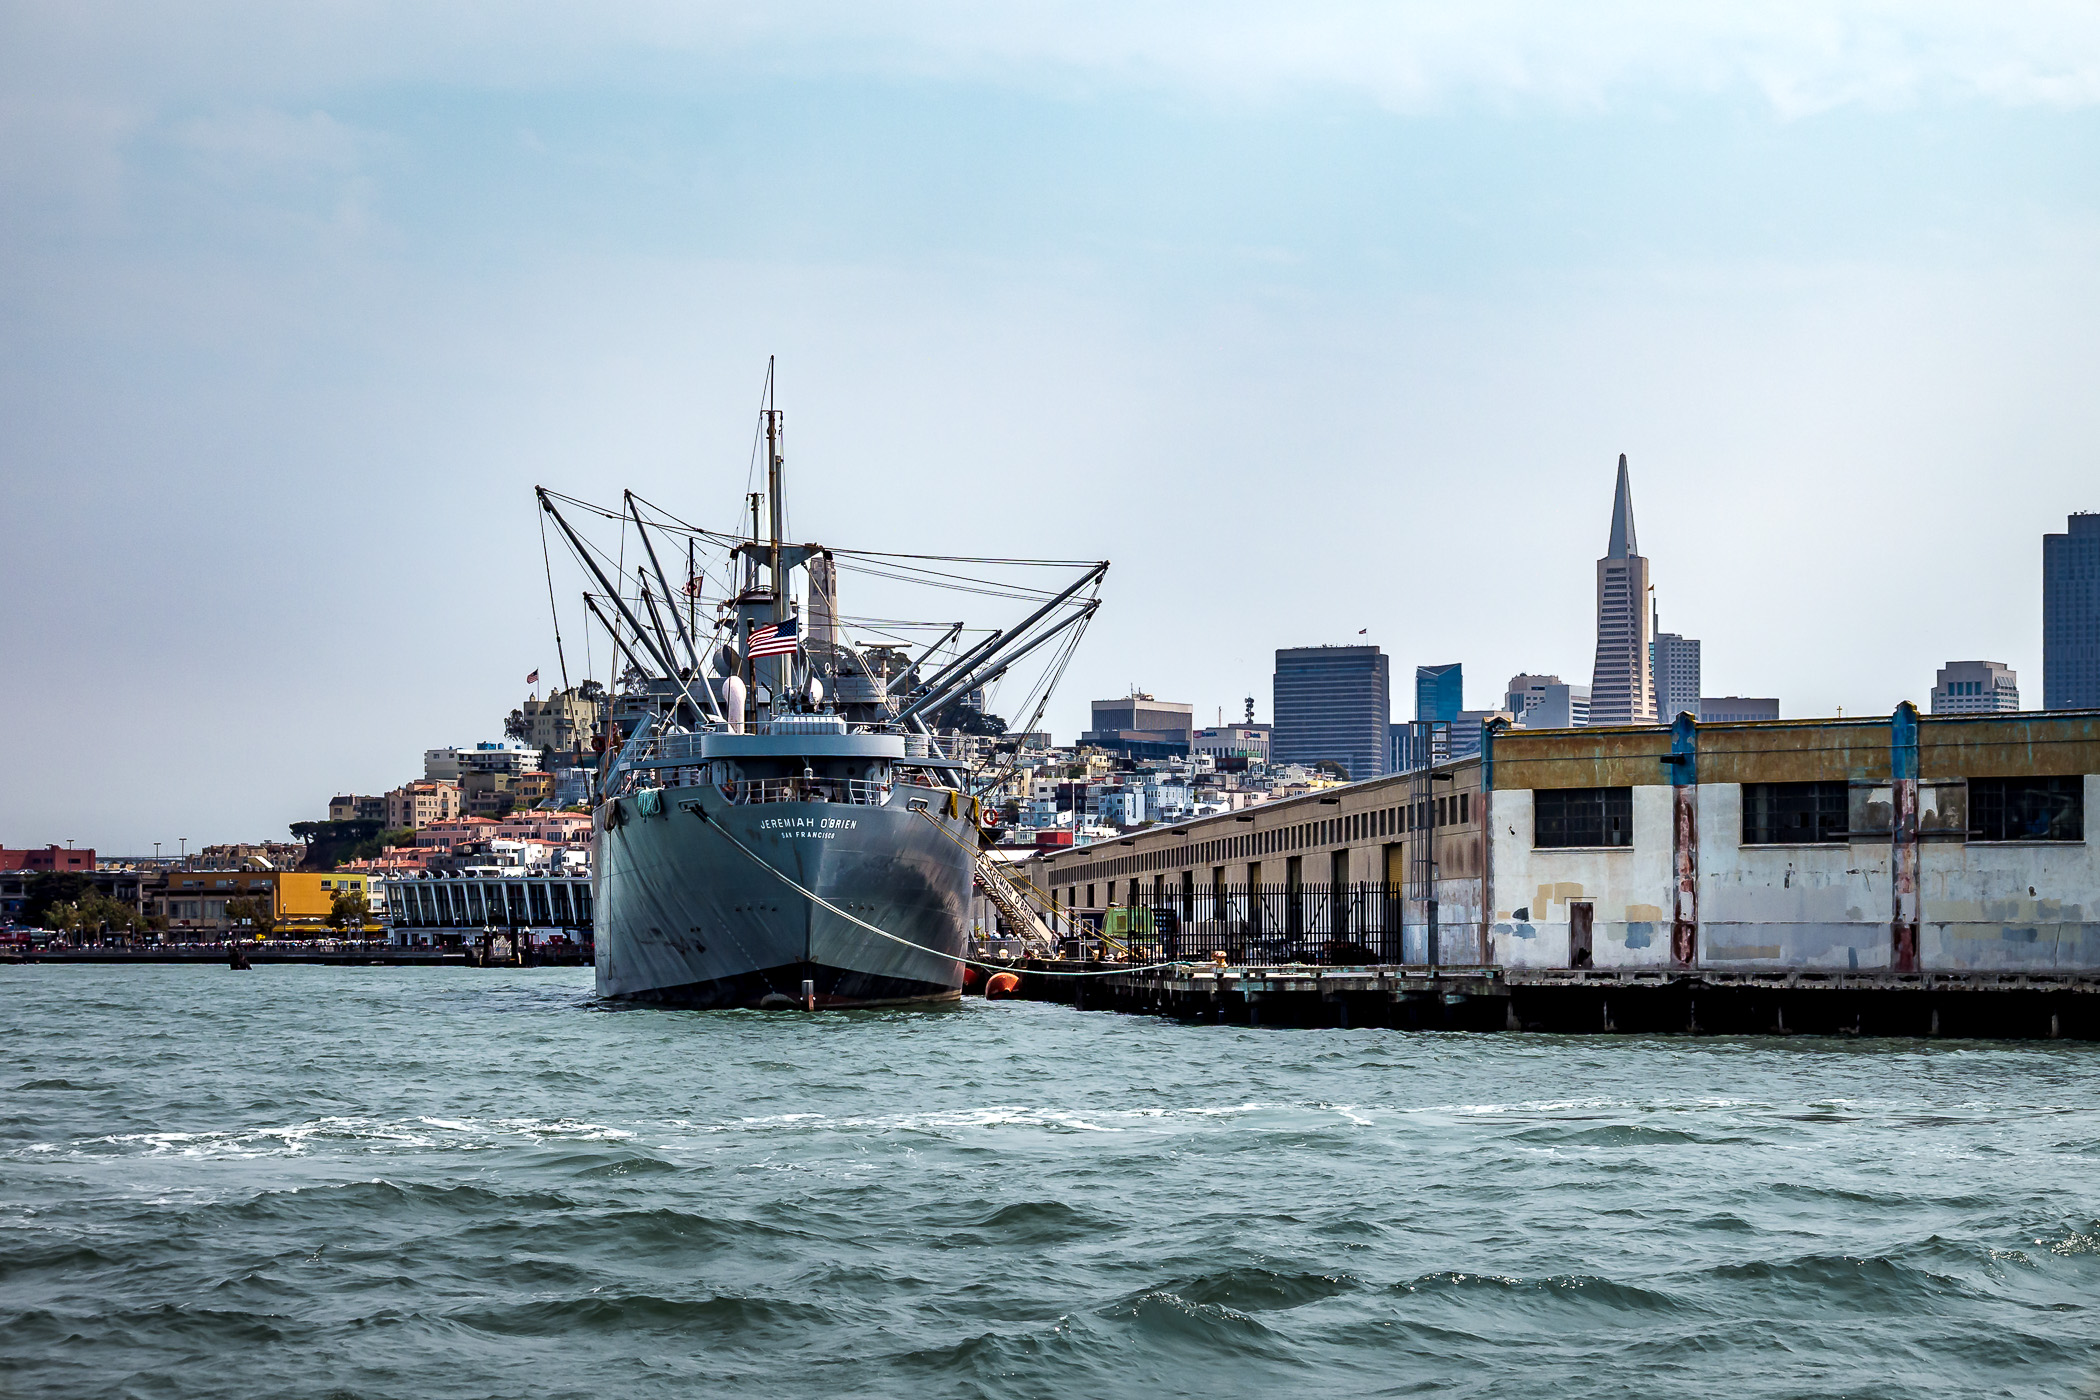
x=774 y=639
x=533 y=679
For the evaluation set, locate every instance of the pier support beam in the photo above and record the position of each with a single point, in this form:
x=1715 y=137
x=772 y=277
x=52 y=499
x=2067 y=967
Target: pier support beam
x=1903 y=839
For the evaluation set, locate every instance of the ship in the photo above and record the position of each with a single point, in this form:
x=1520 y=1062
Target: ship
x=779 y=821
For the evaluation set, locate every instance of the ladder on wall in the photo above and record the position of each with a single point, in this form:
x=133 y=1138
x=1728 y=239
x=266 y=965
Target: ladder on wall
x=1430 y=744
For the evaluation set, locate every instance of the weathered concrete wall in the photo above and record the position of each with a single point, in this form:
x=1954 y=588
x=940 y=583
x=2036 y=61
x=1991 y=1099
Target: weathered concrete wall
x=1985 y=906
x=1627 y=887
x=2012 y=905
x=1767 y=907
x=1458 y=940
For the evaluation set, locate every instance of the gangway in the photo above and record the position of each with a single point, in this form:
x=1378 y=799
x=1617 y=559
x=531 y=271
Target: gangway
x=1013 y=905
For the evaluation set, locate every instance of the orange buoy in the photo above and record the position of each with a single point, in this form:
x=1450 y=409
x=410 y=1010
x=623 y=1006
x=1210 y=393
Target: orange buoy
x=971 y=977
x=1002 y=984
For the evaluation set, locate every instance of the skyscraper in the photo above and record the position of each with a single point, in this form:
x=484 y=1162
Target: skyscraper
x=1975 y=688
x=1439 y=692
x=1676 y=676
x=2071 y=615
x=1542 y=702
x=1332 y=703
x=1622 y=690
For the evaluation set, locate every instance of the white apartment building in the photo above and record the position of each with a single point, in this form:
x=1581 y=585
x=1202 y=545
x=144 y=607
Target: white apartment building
x=1250 y=740
x=503 y=756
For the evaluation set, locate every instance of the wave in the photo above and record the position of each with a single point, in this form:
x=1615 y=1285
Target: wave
x=1032 y=1224
x=1852 y=1280
x=308 y=1136
x=1589 y=1292
x=1622 y=1135
x=1254 y=1289
x=724 y=1319
x=1163 y=1317
x=642 y=1233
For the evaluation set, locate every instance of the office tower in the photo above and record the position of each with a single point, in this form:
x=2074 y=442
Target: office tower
x=1676 y=676
x=1332 y=703
x=1975 y=688
x=2071 y=615
x=1738 y=707
x=1140 y=713
x=1543 y=702
x=1621 y=688
x=1439 y=692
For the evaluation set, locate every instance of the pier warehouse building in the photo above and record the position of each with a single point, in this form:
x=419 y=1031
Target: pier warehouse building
x=1899 y=844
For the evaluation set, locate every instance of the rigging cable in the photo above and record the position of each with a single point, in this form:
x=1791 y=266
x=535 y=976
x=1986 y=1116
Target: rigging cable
x=822 y=903
x=547 y=559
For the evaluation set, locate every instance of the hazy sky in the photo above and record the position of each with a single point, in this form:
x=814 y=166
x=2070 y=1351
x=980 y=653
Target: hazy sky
x=1312 y=317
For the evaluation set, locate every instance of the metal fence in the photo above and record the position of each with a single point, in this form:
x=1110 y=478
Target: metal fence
x=1341 y=925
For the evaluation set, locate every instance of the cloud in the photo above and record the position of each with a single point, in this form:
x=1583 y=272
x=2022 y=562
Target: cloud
x=1797 y=57
x=261 y=140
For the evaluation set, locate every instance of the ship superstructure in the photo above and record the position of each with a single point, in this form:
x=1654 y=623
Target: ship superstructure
x=777 y=821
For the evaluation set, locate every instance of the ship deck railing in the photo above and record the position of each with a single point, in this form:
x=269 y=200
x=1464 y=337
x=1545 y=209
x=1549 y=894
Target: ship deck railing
x=853 y=791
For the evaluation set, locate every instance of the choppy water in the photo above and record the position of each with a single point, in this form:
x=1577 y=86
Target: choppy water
x=372 y=1182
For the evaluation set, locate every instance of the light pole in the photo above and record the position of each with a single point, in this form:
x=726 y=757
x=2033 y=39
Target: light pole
x=183 y=852
x=156 y=853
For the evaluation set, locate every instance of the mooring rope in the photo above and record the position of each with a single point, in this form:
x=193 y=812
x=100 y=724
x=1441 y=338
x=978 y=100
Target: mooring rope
x=813 y=897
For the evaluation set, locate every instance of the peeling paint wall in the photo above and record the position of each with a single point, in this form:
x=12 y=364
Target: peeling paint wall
x=1628 y=888
x=1981 y=905
x=1779 y=907
x=2015 y=905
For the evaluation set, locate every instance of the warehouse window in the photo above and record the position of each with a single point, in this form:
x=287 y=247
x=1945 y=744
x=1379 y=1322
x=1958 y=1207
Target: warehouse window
x=1793 y=813
x=2027 y=809
x=1583 y=817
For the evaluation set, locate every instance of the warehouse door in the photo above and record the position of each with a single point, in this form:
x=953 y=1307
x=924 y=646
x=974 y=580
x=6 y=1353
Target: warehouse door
x=1580 y=917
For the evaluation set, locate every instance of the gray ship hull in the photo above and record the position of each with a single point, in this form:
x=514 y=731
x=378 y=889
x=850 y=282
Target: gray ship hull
x=685 y=917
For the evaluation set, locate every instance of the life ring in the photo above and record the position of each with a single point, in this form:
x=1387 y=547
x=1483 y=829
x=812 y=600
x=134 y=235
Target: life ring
x=728 y=790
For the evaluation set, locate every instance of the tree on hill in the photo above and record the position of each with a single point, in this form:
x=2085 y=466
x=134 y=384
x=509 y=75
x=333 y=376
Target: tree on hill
x=328 y=844
x=959 y=714
x=1332 y=769
x=516 y=726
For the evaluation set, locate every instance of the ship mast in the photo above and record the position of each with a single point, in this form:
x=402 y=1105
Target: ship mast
x=780 y=607
x=783 y=667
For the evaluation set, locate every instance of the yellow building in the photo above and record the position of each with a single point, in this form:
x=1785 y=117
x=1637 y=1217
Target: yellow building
x=300 y=901
x=304 y=900
x=531 y=789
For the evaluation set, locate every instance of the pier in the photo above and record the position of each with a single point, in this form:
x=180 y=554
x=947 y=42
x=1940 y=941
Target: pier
x=209 y=954
x=2006 y=1006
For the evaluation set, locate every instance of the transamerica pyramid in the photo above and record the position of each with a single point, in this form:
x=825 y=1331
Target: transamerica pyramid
x=1622 y=687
